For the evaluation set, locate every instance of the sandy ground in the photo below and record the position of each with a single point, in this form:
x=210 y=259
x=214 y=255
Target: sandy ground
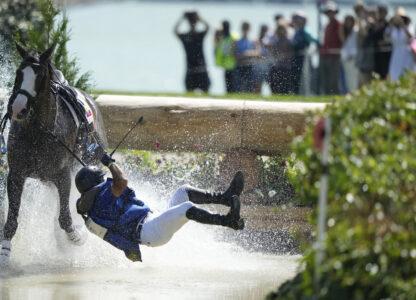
x=252 y=281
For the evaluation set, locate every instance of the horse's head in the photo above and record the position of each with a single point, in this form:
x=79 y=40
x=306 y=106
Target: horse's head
x=31 y=80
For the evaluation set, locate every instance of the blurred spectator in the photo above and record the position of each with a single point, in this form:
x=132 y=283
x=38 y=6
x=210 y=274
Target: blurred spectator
x=365 y=42
x=278 y=19
x=330 y=59
x=282 y=51
x=224 y=56
x=383 y=47
x=218 y=35
x=245 y=53
x=349 y=53
x=262 y=66
x=301 y=42
x=400 y=33
x=196 y=70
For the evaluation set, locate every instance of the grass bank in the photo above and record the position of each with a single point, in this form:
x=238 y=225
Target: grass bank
x=254 y=97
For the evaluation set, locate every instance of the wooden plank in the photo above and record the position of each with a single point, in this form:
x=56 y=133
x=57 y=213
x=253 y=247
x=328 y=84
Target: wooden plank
x=195 y=124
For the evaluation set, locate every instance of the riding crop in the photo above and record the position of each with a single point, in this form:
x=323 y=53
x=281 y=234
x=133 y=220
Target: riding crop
x=122 y=140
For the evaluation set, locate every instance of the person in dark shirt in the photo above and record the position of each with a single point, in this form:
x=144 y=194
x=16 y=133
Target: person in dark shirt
x=196 y=70
x=281 y=48
x=300 y=42
x=383 y=47
x=246 y=53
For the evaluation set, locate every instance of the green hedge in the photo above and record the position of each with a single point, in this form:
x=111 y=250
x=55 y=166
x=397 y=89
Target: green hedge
x=370 y=250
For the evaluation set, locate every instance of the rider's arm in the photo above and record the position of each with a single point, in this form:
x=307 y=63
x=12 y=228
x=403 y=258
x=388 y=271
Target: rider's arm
x=120 y=180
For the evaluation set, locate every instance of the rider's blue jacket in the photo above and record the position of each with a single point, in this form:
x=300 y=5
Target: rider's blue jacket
x=121 y=216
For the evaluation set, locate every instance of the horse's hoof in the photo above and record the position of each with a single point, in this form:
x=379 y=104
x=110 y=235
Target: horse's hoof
x=4 y=261
x=9 y=268
x=78 y=236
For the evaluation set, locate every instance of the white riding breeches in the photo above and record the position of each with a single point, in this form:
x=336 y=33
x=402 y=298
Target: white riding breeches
x=159 y=229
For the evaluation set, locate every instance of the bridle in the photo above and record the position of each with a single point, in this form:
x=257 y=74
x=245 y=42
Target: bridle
x=31 y=99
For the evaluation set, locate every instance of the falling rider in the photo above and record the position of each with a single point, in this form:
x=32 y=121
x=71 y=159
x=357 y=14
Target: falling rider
x=112 y=211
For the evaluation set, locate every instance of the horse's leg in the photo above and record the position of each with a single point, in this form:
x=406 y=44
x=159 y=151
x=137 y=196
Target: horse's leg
x=63 y=184
x=15 y=183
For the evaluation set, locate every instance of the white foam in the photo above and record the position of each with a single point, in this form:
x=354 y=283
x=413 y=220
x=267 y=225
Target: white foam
x=39 y=241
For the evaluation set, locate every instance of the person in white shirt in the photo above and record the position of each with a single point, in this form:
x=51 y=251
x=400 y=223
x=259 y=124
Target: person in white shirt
x=400 y=34
x=349 y=53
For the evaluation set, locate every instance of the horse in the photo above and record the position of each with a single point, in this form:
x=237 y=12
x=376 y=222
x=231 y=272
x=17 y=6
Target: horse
x=44 y=140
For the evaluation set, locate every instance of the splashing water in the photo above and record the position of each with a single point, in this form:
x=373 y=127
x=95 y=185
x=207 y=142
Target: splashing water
x=193 y=265
x=6 y=71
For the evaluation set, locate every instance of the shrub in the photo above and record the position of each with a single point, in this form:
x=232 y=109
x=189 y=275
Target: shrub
x=173 y=169
x=370 y=249
x=274 y=184
x=203 y=170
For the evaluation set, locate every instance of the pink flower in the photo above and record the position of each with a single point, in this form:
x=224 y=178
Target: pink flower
x=157 y=144
x=197 y=145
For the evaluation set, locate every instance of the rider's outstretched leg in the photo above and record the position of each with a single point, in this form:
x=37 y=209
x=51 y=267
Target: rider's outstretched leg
x=200 y=196
x=232 y=219
x=157 y=230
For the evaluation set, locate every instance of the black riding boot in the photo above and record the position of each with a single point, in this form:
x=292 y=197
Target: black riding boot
x=232 y=219
x=200 y=196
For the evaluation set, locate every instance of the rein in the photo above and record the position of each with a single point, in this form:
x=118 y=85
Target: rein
x=7 y=116
x=55 y=137
x=29 y=96
x=3 y=124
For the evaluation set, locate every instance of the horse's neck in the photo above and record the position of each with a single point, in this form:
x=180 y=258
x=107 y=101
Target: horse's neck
x=45 y=106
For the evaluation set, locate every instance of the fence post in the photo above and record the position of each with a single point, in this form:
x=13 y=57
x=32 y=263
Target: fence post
x=323 y=195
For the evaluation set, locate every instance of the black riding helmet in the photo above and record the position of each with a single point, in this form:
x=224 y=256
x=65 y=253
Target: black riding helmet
x=88 y=177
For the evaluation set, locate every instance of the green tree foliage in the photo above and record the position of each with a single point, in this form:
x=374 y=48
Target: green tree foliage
x=16 y=16
x=44 y=25
x=370 y=250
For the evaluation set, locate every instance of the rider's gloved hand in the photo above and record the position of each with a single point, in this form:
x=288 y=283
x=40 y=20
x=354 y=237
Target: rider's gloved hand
x=107 y=160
